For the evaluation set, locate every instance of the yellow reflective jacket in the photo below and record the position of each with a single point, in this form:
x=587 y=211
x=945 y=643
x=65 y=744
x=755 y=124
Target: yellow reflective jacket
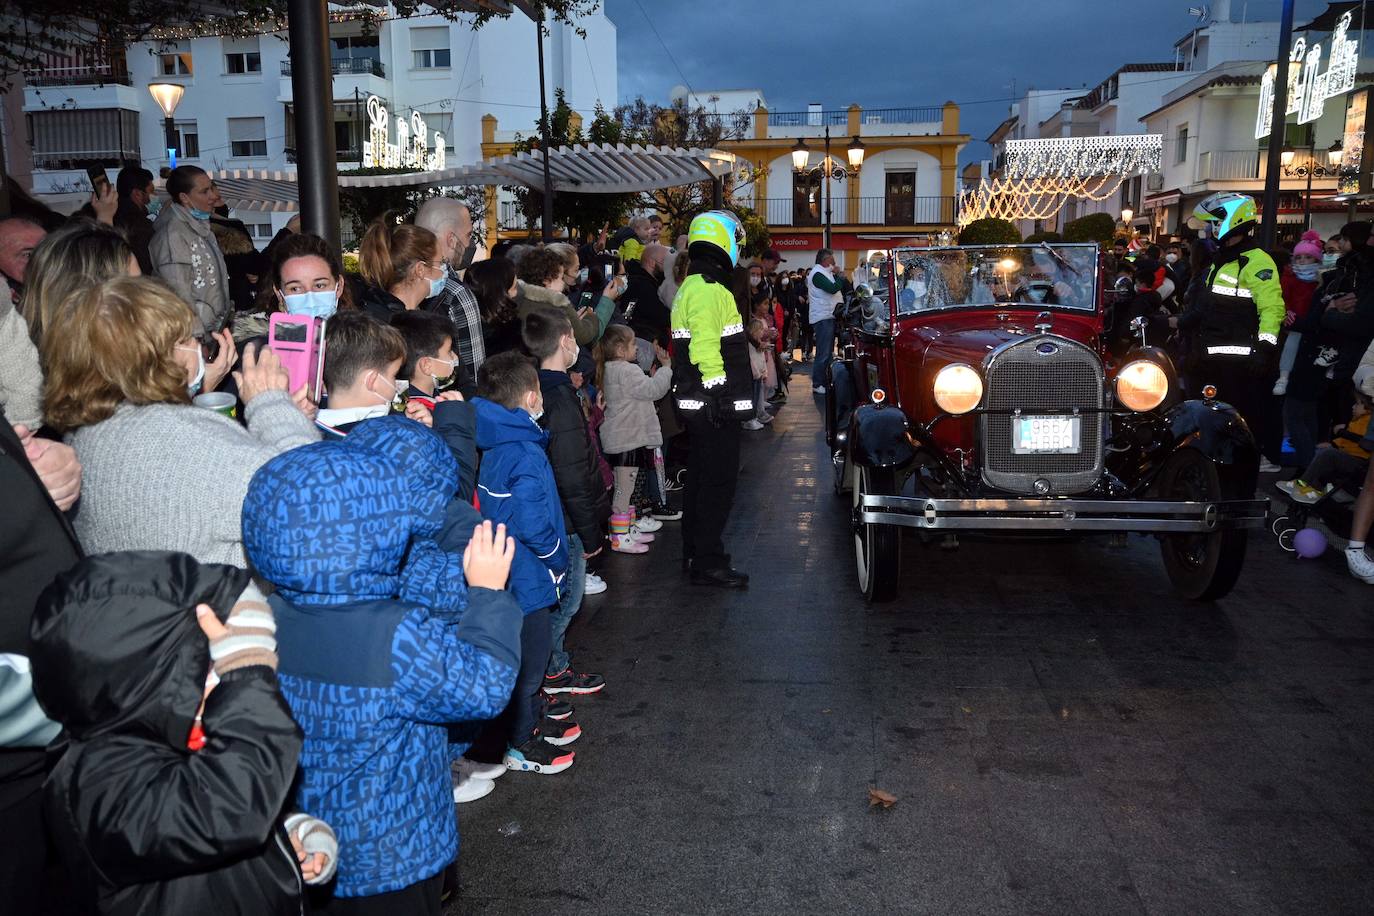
x=1244 y=281
x=710 y=351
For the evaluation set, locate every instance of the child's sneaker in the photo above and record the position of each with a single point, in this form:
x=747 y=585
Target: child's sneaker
x=640 y=535
x=647 y=523
x=556 y=709
x=665 y=513
x=595 y=585
x=1281 y=386
x=538 y=756
x=626 y=543
x=569 y=681
x=559 y=732
x=1301 y=492
x=470 y=788
x=751 y=425
x=463 y=768
x=1360 y=563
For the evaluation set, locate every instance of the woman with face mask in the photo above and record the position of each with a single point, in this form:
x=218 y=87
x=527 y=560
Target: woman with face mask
x=159 y=473
x=184 y=251
x=400 y=266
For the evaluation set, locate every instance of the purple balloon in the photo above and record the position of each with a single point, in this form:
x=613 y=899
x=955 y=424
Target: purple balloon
x=1309 y=543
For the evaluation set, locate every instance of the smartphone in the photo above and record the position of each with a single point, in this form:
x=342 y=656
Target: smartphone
x=611 y=265
x=298 y=341
x=99 y=181
x=209 y=347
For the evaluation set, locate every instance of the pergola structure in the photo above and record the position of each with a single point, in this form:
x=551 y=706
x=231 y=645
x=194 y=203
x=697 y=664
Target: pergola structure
x=586 y=169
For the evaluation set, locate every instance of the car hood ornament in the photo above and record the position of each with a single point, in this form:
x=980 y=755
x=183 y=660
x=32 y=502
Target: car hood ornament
x=1043 y=322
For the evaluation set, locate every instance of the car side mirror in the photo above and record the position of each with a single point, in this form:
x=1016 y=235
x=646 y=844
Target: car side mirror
x=1138 y=326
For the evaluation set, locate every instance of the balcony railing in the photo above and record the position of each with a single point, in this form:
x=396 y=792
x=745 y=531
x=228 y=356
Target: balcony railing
x=1229 y=165
x=347 y=66
x=868 y=211
x=76 y=76
x=512 y=217
x=70 y=160
x=839 y=117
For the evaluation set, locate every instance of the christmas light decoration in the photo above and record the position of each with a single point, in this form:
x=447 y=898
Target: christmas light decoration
x=1040 y=176
x=411 y=149
x=1308 y=86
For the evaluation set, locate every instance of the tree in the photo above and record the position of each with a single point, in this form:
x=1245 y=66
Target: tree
x=360 y=206
x=101 y=29
x=677 y=125
x=582 y=214
x=1095 y=227
x=1044 y=237
x=989 y=231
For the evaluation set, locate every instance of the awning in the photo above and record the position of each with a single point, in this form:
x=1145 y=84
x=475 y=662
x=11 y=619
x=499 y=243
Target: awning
x=590 y=169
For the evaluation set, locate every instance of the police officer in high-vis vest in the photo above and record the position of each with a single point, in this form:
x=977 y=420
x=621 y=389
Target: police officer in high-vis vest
x=713 y=387
x=1239 y=312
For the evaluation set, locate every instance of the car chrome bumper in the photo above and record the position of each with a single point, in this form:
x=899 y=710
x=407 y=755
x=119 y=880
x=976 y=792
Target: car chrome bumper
x=1063 y=514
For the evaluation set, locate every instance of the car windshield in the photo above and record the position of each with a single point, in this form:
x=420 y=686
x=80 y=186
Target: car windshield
x=1057 y=276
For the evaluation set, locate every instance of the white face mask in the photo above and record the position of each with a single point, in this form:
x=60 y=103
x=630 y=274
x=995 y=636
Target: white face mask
x=755 y=281
x=193 y=387
x=1171 y=258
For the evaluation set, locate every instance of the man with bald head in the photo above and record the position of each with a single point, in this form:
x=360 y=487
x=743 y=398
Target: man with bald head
x=644 y=311
x=451 y=224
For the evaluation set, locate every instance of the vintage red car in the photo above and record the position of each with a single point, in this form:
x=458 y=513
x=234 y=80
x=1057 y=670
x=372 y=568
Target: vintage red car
x=979 y=389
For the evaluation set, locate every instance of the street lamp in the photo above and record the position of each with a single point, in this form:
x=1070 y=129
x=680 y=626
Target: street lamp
x=829 y=170
x=168 y=97
x=1126 y=214
x=1309 y=168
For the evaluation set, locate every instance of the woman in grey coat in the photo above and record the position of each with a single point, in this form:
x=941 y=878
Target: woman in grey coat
x=185 y=254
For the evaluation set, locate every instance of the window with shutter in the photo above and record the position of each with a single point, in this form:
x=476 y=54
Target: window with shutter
x=429 y=48
x=247 y=137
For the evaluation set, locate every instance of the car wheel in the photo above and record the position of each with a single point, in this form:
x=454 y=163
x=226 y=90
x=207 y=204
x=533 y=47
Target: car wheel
x=1203 y=567
x=877 y=548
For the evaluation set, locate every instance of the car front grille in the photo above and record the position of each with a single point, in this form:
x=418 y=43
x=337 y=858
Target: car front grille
x=1022 y=377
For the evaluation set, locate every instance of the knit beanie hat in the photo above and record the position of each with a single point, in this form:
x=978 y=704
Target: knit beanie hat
x=1311 y=244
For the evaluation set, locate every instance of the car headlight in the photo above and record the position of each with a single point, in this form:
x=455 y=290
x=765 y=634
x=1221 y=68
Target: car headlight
x=1142 y=385
x=958 y=388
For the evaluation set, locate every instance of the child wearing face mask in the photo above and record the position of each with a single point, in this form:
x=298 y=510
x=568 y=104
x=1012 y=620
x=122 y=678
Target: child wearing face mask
x=431 y=365
x=361 y=360
x=1299 y=281
x=516 y=487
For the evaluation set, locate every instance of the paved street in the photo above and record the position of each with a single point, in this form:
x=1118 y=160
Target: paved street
x=1062 y=735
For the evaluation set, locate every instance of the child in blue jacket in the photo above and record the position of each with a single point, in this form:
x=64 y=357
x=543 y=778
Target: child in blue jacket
x=515 y=485
x=372 y=673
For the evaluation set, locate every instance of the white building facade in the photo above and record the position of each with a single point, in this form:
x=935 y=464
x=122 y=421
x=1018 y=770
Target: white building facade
x=237 y=111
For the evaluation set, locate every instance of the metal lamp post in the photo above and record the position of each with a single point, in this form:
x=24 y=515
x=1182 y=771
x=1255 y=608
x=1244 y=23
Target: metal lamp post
x=168 y=97
x=828 y=171
x=1307 y=169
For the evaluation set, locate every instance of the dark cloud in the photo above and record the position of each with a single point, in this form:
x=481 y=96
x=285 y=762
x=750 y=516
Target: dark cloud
x=894 y=53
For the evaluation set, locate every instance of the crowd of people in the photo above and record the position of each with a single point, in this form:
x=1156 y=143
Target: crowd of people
x=264 y=628
x=1285 y=335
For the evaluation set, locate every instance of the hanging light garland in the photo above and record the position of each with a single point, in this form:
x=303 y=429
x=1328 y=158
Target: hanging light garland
x=1042 y=175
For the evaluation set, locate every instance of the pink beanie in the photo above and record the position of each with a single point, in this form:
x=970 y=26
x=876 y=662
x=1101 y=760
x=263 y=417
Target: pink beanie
x=1311 y=244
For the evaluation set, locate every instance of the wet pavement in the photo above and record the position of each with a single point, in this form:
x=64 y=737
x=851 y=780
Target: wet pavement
x=1062 y=734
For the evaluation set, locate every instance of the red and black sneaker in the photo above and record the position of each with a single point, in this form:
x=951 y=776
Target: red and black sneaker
x=538 y=756
x=559 y=733
x=569 y=681
x=556 y=709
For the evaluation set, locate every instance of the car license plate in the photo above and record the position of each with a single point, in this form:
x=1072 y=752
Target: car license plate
x=1046 y=435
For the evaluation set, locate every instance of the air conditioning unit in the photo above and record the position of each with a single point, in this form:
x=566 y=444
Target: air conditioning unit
x=1154 y=182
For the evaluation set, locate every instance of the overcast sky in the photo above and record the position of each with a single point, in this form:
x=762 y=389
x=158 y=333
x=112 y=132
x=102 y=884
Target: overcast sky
x=896 y=53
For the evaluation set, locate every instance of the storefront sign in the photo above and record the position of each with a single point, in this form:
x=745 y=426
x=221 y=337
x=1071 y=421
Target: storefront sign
x=411 y=149
x=1308 y=85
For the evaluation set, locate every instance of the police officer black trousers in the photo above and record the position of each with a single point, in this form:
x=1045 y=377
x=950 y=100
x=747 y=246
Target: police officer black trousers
x=709 y=493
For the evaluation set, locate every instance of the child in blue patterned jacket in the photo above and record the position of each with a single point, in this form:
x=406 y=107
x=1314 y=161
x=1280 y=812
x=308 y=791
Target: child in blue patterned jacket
x=372 y=673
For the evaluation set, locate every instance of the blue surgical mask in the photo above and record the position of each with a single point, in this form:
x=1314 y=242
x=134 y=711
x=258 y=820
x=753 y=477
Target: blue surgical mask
x=436 y=287
x=1329 y=260
x=317 y=303
x=199 y=214
x=193 y=388
x=154 y=207
x=1305 y=272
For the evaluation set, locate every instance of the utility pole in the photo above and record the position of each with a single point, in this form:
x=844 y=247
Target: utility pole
x=312 y=89
x=1269 y=209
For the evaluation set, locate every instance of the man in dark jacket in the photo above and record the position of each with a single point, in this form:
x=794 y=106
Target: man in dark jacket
x=646 y=315
x=155 y=807
x=40 y=478
x=138 y=203
x=576 y=470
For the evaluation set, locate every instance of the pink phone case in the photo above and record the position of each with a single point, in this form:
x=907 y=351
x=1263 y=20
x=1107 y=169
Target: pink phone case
x=298 y=341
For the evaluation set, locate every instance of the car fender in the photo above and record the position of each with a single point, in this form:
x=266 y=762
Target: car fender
x=840 y=397
x=1215 y=429
x=880 y=437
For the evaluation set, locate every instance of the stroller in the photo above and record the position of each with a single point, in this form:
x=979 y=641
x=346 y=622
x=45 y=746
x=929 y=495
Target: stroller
x=1335 y=510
